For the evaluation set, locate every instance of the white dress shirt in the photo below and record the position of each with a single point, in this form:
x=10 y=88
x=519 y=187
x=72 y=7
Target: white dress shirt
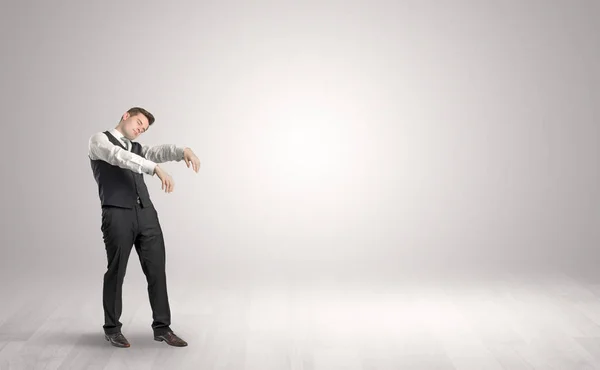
x=100 y=148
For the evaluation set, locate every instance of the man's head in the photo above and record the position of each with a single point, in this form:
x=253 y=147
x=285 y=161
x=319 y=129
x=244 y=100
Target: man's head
x=135 y=122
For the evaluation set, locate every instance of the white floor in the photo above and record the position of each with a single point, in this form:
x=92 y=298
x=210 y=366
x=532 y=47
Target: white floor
x=545 y=321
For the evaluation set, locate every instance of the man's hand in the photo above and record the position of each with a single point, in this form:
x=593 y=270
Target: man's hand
x=167 y=181
x=190 y=158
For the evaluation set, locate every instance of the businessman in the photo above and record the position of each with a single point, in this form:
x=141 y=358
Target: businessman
x=129 y=218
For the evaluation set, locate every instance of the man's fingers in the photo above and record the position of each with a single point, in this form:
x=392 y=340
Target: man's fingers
x=167 y=184
x=187 y=162
x=194 y=162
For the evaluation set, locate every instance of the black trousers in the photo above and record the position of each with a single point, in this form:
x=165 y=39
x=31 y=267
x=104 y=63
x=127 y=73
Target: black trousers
x=123 y=228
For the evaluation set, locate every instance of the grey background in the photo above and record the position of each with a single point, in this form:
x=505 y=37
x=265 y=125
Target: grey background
x=350 y=138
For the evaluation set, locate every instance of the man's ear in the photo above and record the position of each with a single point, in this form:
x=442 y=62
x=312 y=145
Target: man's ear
x=125 y=116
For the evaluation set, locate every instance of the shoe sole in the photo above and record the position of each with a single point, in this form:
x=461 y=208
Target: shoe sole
x=174 y=345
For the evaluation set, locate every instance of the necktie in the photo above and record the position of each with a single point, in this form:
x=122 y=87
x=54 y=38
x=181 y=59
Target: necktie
x=126 y=143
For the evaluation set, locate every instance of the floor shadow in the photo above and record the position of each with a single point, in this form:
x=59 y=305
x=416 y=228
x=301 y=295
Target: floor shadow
x=96 y=339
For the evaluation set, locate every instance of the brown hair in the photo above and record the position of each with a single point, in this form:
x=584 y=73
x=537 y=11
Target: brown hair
x=137 y=110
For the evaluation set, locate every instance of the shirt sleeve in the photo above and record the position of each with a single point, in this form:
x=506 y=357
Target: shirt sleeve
x=163 y=153
x=100 y=148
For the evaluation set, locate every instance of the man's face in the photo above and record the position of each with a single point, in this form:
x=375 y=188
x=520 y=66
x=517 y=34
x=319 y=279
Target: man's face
x=134 y=126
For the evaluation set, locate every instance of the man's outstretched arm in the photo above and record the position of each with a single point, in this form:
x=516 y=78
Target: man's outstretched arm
x=171 y=152
x=163 y=153
x=100 y=148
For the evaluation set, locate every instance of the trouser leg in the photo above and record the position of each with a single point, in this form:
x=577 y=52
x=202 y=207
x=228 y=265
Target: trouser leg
x=150 y=247
x=118 y=234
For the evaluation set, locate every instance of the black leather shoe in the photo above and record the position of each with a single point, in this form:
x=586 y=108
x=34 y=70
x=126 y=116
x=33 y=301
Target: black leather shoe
x=171 y=339
x=117 y=340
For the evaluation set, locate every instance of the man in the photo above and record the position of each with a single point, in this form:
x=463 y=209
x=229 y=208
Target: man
x=130 y=219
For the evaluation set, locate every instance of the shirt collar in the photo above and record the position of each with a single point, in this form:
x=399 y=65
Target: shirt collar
x=118 y=135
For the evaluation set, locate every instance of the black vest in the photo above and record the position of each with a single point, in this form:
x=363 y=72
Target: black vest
x=119 y=186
